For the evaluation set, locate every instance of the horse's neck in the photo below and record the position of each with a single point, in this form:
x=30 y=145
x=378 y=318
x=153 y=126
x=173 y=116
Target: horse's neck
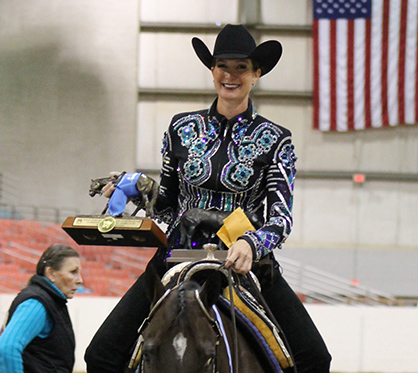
x=226 y=348
x=248 y=362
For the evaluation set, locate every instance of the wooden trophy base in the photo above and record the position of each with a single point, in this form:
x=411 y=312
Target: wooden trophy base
x=105 y=230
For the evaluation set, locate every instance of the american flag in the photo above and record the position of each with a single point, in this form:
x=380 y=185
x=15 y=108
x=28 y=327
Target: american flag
x=365 y=64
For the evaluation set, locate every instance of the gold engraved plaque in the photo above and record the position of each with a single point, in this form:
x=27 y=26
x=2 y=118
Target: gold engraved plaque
x=114 y=231
x=87 y=222
x=97 y=222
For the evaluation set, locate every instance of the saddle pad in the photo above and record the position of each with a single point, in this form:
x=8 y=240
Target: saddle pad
x=254 y=319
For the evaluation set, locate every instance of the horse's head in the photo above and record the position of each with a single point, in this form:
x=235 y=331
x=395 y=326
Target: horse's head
x=181 y=335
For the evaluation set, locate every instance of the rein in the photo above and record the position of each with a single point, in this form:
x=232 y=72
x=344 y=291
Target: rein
x=215 y=326
x=263 y=303
x=213 y=321
x=234 y=322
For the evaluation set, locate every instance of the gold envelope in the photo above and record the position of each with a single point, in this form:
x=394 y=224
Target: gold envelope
x=235 y=225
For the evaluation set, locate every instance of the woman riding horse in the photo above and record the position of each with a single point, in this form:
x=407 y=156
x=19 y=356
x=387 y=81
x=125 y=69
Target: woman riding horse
x=219 y=159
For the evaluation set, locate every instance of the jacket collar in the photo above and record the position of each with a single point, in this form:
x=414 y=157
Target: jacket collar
x=248 y=115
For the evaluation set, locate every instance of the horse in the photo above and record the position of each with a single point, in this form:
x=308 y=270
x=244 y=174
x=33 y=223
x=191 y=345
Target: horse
x=186 y=332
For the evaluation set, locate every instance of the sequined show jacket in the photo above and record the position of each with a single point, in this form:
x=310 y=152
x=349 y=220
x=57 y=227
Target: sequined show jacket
x=213 y=163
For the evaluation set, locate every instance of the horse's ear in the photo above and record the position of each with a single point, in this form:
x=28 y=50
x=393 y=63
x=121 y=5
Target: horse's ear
x=154 y=289
x=211 y=289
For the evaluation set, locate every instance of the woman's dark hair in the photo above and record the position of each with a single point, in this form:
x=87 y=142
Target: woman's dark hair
x=254 y=62
x=53 y=257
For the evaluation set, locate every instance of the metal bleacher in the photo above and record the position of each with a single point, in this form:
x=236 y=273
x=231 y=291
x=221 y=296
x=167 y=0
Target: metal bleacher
x=319 y=286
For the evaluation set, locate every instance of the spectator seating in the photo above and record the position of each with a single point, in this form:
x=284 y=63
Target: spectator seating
x=106 y=270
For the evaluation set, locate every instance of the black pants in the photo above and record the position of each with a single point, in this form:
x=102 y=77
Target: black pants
x=111 y=347
x=308 y=348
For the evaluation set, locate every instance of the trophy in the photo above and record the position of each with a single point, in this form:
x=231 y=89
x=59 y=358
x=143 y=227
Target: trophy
x=112 y=227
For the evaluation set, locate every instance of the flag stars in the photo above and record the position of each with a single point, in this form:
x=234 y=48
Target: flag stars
x=338 y=9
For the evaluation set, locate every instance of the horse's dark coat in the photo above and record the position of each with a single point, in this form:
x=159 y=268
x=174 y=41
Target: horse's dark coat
x=180 y=312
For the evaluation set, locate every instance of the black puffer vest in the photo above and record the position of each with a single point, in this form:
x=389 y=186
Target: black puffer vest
x=55 y=353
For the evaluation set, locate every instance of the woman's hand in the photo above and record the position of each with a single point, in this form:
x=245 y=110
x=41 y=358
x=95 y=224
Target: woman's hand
x=240 y=257
x=109 y=188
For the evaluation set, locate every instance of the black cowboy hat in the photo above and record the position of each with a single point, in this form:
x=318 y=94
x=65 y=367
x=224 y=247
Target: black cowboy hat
x=234 y=41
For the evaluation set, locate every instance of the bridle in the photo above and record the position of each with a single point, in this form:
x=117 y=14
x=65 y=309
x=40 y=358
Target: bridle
x=186 y=273
x=213 y=323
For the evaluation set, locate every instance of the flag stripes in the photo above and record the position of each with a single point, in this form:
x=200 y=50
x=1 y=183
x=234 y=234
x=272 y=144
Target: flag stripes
x=365 y=64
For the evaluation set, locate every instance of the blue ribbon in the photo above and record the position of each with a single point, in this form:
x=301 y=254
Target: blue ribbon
x=126 y=188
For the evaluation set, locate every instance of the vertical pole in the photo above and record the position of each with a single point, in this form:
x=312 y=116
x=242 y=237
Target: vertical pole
x=249 y=12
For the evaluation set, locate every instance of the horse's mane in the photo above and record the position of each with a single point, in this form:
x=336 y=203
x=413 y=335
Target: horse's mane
x=184 y=303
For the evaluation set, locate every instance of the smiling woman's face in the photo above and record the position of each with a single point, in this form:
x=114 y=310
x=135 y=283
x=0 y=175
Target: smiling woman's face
x=68 y=277
x=234 y=78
